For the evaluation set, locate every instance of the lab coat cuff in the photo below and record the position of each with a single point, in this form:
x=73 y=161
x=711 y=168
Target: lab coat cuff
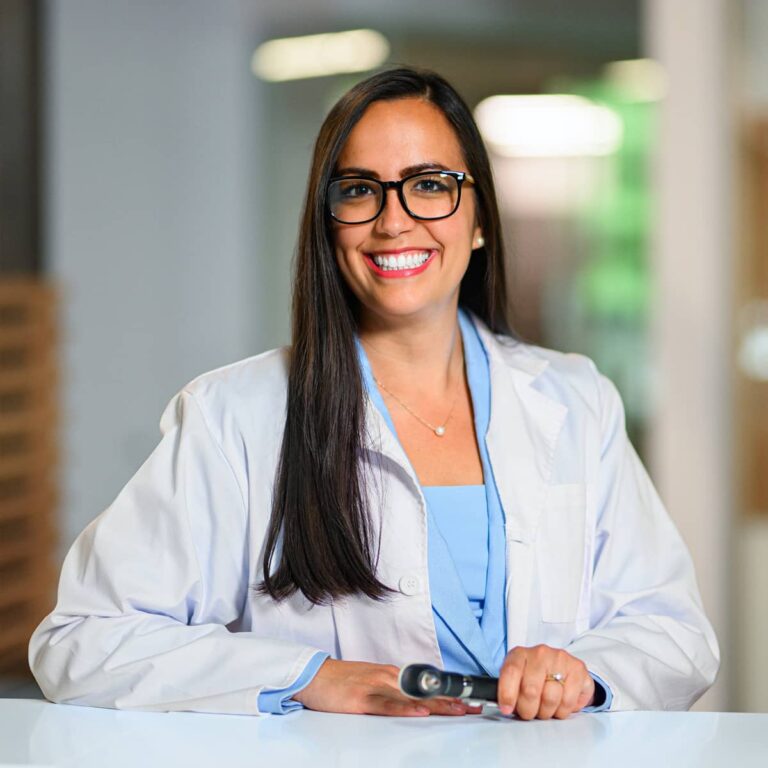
x=603 y=694
x=278 y=701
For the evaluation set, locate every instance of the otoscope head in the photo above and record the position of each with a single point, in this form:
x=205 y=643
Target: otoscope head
x=421 y=681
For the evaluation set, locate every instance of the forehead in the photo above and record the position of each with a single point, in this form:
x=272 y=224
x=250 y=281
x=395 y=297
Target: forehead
x=393 y=135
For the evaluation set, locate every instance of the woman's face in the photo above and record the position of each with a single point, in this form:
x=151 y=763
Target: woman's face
x=394 y=139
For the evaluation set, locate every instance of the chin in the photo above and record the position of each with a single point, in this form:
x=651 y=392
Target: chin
x=403 y=308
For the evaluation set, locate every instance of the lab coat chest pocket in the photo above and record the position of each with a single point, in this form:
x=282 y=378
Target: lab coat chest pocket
x=561 y=547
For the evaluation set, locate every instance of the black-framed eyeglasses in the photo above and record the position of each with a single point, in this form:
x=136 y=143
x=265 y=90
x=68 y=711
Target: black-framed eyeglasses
x=428 y=196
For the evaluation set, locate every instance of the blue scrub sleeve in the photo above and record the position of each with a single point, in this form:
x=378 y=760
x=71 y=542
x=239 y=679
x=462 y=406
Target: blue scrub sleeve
x=603 y=695
x=278 y=701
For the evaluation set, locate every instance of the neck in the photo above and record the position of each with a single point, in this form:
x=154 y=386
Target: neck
x=417 y=354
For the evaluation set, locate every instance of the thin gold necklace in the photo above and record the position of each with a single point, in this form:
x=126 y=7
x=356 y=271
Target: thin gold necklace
x=439 y=429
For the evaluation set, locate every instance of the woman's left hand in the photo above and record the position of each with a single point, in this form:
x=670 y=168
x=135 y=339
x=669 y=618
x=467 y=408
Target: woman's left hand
x=524 y=689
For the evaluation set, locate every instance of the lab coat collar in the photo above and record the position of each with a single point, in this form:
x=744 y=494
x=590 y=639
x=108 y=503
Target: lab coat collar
x=523 y=433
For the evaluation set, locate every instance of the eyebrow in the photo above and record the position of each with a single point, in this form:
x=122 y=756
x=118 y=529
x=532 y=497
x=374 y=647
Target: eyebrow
x=354 y=170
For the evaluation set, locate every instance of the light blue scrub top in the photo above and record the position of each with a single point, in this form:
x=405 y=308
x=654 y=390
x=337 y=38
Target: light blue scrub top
x=466 y=551
x=460 y=514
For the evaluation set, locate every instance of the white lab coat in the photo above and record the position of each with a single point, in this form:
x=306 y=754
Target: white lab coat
x=157 y=607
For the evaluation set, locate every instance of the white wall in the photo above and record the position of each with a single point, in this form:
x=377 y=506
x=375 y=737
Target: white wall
x=151 y=220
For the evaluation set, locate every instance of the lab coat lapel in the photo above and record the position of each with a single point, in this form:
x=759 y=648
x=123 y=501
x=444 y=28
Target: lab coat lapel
x=447 y=594
x=522 y=438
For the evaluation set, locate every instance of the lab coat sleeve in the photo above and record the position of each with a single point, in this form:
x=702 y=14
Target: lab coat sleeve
x=649 y=638
x=148 y=589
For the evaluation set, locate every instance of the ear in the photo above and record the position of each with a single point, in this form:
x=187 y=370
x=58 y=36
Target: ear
x=478 y=241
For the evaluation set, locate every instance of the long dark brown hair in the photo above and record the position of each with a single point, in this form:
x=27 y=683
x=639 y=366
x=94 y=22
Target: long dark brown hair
x=321 y=531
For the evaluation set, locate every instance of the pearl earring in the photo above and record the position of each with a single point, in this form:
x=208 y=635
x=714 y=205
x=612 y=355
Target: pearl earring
x=480 y=242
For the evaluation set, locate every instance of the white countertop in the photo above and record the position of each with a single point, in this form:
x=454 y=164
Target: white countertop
x=41 y=734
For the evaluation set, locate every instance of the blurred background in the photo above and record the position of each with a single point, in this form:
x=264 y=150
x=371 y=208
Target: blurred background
x=153 y=156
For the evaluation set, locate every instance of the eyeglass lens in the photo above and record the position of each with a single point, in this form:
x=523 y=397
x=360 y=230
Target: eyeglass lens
x=427 y=196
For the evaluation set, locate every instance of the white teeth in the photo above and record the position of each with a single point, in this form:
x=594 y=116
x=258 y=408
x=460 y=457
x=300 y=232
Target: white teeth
x=401 y=261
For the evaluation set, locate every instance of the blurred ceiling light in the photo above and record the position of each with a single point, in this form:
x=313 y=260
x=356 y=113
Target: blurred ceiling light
x=548 y=126
x=296 y=58
x=638 y=79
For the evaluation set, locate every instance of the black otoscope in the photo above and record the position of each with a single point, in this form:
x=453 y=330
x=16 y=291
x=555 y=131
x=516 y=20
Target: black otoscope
x=422 y=681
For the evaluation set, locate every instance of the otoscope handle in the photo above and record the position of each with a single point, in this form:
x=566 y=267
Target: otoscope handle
x=422 y=681
x=476 y=687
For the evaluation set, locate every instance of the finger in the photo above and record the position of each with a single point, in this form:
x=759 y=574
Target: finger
x=381 y=704
x=509 y=680
x=471 y=709
x=556 y=661
x=446 y=706
x=551 y=697
x=578 y=690
x=587 y=692
x=532 y=684
x=388 y=676
x=399 y=706
x=561 y=662
x=439 y=705
x=569 y=703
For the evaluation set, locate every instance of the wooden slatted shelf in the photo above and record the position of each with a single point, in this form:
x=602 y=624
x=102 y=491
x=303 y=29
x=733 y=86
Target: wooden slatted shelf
x=14 y=638
x=23 y=549
x=35 y=377
x=28 y=462
x=40 y=419
x=35 y=463
x=30 y=506
x=21 y=595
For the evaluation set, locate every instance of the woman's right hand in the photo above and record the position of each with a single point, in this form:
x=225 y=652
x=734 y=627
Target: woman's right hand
x=355 y=687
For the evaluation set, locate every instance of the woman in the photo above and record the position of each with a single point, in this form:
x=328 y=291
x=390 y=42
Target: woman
x=406 y=483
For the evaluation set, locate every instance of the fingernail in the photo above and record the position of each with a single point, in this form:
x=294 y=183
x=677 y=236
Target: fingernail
x=422 y=711
x=505 y=709
x=459 y=708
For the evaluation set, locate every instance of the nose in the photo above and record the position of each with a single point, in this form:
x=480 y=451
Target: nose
x=394 y=219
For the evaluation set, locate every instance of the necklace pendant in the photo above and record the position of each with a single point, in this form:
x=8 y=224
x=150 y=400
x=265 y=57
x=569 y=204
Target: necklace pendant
x=440 y=431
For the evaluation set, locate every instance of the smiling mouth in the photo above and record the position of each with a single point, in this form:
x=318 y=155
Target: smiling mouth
x=399 y=264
